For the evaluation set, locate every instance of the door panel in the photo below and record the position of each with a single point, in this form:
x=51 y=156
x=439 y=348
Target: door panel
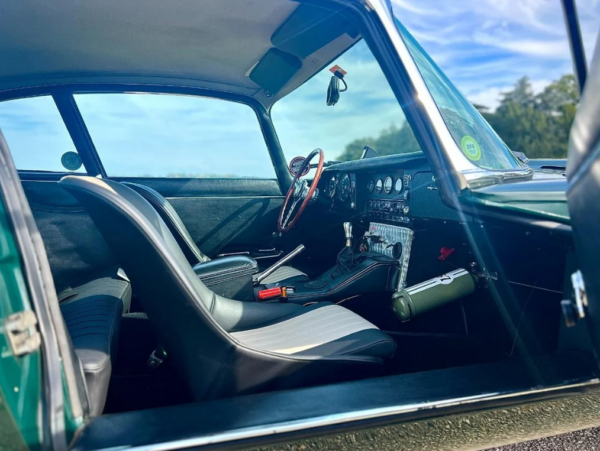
x=229 y=224
x=74 y=245
x=223 y=215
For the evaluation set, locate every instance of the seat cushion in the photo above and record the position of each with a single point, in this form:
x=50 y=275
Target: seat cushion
x=320 y=330
x=92 y=313
x=111 y=282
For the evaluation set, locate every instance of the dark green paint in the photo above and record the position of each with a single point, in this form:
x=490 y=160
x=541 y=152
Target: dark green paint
x=20 y=377
x=543 y=197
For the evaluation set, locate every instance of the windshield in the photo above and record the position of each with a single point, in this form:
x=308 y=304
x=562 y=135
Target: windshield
x=367 y=114
x=473 y=135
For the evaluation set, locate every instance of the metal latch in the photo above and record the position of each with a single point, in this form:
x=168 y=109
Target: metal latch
x=22 y=332
x=574 y=311
x=580 y=295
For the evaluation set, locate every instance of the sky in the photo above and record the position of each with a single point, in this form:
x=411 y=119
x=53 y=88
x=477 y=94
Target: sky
x=484 y=46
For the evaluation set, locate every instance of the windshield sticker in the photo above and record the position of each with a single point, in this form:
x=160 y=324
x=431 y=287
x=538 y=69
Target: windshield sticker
x=470 y=148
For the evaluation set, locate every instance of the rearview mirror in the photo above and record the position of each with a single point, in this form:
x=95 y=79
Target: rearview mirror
x=333 y=90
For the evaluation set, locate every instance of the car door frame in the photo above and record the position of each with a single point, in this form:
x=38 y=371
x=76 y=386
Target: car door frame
x=365 y=418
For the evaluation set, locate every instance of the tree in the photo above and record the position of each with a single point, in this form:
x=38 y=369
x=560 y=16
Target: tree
x=393 y=140
x=537 y=125
x=558 y=95
x=521 y=94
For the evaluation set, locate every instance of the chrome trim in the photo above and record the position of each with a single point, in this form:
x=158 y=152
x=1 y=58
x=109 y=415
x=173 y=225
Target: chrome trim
x=271 y=269
x=470 y=173
x=482 y=177
x=331 y=420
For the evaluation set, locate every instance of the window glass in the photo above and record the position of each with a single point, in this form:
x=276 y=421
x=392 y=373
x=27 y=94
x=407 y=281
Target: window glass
x=153 y=135
x=472 y=133
x=510 y=59
x=37 y=136
x=589 y=21
x=367 y=114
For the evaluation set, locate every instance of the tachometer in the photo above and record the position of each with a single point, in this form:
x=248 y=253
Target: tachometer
x=344 y=188
x=378 y=186
x=388 y=183
x=370 y=186
x=399 y=186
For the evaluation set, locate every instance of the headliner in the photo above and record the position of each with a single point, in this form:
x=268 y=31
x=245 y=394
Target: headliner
x=198 y=43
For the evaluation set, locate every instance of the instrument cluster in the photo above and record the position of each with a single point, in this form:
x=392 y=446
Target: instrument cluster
x=388 y=196
x=340 y=187
x=387 y=184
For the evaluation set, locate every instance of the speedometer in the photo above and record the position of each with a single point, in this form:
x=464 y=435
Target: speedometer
x=344 y=188
x=331 y=186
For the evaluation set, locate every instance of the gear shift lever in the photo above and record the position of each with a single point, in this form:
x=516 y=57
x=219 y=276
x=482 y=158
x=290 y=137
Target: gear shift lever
x=348 y=233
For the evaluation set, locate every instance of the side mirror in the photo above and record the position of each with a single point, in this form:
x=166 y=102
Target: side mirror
x=333 y=90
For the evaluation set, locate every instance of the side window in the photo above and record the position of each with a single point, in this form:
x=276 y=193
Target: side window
x=152 y=135
x=37 y=136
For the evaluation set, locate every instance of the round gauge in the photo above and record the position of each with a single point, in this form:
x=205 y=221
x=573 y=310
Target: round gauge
x=399 y=185
x=331 y=185
x=344 y=188
x=388 y=183
x=378 y=186
x=370 y=186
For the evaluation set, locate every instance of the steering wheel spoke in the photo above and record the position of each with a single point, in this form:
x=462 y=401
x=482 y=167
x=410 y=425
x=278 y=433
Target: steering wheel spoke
x=290 y=211
x=299 y=191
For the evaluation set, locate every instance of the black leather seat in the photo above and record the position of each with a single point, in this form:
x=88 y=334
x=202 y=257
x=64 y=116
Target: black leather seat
x=224 y=347
x=187 y=244
x=92 y=311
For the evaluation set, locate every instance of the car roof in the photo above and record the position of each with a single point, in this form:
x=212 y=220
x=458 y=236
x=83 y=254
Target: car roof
x=211 y=44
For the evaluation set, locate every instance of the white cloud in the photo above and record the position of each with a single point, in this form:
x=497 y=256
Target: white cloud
x=484 y=46
x=489 y=97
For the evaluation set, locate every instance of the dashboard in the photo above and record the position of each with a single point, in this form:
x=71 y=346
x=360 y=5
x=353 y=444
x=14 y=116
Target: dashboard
x=395 y=189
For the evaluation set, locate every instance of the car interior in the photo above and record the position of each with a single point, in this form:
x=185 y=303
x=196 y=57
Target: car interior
x=185 y=290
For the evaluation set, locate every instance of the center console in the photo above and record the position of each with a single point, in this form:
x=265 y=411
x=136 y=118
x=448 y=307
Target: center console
x=231 y=277
x=392 y=241
x=377 y=263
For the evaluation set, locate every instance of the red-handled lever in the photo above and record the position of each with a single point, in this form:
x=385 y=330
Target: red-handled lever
x=269 y=293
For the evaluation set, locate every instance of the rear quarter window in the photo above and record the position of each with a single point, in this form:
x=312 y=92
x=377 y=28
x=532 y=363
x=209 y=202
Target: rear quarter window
x=37 y=136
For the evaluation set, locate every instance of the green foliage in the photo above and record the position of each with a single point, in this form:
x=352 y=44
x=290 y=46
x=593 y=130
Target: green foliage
x=392 y=140
x=537 y=125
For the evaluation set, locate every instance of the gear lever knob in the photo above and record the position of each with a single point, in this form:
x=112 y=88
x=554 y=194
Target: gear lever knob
x=348 y=233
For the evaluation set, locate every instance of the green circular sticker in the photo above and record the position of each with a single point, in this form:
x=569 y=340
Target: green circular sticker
x=470 y=148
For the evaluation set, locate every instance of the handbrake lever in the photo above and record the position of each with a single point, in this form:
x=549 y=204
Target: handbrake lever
x=271 y=269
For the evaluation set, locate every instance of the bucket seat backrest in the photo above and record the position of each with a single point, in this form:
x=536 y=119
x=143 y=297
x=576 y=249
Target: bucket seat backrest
x=170 y=216
x=176 y=301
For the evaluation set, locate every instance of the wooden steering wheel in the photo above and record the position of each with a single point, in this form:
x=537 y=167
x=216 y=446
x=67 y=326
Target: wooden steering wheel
x=300 y=191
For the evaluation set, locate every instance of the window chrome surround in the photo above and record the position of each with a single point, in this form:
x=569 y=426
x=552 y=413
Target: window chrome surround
x=471 y=175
